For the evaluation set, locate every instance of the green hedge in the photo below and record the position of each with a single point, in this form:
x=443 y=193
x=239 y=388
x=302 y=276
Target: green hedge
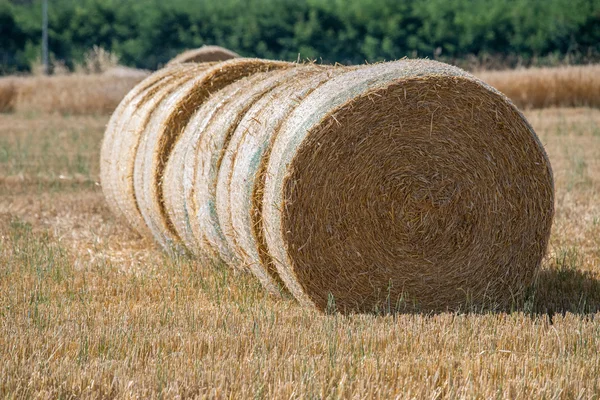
x=148 y=33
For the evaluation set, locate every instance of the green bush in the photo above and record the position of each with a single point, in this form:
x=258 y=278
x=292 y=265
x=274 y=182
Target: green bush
x=148 y=33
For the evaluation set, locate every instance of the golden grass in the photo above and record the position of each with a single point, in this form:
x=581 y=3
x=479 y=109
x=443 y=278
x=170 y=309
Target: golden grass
x=69 y=94
x=568 y=86
x=8 y=95
x=90 y=310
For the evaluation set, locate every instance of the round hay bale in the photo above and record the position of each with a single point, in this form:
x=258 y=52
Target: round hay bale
x=202 y=166
x=204 y=54
x=114 y=132
x=165 y=127
x=407 y=185
x=128 y=132
x=241 y=172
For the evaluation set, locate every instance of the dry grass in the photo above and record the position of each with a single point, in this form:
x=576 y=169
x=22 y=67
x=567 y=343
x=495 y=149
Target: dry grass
x=8 y=95
x=569 y=86
x=90 y=310
x=74 y=94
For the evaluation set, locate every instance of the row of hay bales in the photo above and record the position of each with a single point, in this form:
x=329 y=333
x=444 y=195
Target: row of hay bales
x=401 y=185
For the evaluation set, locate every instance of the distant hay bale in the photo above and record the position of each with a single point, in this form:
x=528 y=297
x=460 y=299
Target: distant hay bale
x=406 y=184
x=168 y=121
x=241 y=171
x=203 y=159
x=204 y=54
x=123 y=136
x=107 y=159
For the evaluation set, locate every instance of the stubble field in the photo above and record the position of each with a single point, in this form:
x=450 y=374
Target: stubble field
x=88 y=309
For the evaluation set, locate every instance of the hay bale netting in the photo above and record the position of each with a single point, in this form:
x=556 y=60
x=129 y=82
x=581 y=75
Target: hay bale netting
x=204 y=54
x=203 y=160
x=176 y=184
x=241 y=172
x=164 y=129
x=122 y=132
x=406 y=184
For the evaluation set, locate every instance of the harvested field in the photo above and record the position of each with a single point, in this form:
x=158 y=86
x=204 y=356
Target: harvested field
x=568 y=86
x=90 y=309
x=74 y=94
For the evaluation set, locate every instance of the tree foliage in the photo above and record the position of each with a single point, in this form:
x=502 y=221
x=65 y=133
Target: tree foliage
x=148 y=33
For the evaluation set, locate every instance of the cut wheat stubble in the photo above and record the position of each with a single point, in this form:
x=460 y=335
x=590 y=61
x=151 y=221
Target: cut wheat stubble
x=406 y=184
x=166 y=125
x=241 y=173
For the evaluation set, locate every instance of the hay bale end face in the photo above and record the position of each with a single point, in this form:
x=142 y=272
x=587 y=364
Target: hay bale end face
x=204 y=54
x=407 y=185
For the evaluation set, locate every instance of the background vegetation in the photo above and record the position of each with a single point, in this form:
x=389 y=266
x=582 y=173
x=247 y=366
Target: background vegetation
x=148 y=33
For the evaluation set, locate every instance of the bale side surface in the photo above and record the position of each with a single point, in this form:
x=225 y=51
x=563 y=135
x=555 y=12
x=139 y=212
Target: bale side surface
x=201 y=199
x=128 y=143
x=122 y=138
x=407 y=185
x=240 y=172
x=203 y=54
x=165 y=127
x=107 y=160
x=179 y=170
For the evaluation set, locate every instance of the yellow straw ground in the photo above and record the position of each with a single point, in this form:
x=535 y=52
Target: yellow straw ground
x=89 y=309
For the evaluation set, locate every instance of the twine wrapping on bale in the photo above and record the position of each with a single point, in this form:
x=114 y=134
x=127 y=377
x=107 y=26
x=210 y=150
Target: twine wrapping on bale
x=406 y=184
x=203 y=54
x=165 y=127
x=201 y=167
x=121 y=140
x=176 y=185
x=241 y=171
